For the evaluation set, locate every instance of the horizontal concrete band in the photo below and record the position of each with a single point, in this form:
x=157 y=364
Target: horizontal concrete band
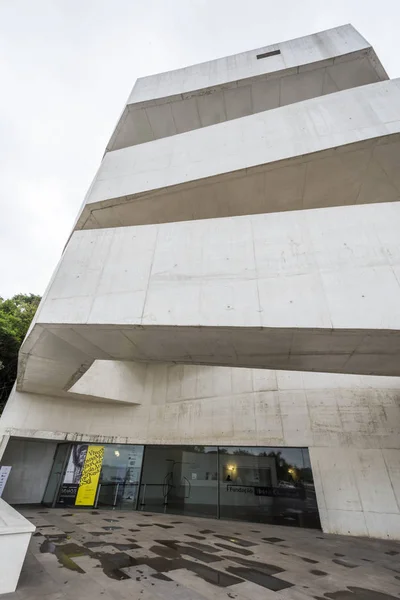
x=304 y=290
x=236 y=86
x=337 y=150
x=305 y=51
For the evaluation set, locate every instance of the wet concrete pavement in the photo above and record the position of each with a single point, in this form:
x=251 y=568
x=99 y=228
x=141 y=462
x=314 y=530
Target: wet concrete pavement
x=115 y=555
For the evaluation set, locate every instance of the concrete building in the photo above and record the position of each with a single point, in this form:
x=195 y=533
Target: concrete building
x=221 y=336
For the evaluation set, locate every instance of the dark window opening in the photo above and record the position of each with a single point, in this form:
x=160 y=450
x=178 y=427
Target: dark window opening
x=267 y=54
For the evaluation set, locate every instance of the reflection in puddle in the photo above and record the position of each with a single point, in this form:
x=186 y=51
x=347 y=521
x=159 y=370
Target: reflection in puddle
x=238 y=550
x=262 y=567
x=267 y=581
x=344 y=563
x=111 y=563
x=237 y=541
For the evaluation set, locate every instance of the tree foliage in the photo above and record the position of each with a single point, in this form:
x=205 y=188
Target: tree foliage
x=16 y=315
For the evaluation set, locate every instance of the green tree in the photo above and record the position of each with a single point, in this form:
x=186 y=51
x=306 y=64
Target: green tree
x=16 y=315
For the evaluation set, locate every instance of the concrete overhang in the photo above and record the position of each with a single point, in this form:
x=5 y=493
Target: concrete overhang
x=236 y=86
x=302 y=290
x=341 y=149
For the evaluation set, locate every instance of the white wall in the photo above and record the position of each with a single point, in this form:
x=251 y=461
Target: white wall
x=31 y=463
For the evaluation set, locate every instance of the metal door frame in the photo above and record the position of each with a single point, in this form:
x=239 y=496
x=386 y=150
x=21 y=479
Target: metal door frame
x=62 y=473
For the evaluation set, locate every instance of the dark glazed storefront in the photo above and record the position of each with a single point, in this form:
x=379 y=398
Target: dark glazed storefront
x=259 y=484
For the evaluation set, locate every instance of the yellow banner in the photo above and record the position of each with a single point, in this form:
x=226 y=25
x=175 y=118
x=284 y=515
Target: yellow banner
x=90 y=476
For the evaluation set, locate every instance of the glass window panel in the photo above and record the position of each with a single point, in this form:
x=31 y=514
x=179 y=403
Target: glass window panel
x=265 y=484
x=180 y=480
x=120 y=475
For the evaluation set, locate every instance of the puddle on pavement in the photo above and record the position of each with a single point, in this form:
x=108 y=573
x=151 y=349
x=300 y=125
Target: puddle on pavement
x=98 y=533
x=161 y=577
x=110 y=563
x=392 y=553
x=318 y=572
x=111 y=528
x=219 y=578
x=262 y=567
x=64 y=557
x=266 y=581
x=309 y=560
x=273 y=540
x=125 y=546
x=206 y=531
x=204 y=547
x=181 y=548
x=95 y=544
x=195 y=537
x=56 y=537
x=198 y=554
x=164 y=565
x=165 y=551
x=233 y=540
x=238 y=550
x=344 y=563
x=111 y=520
x=163 y=526
x=357 y=593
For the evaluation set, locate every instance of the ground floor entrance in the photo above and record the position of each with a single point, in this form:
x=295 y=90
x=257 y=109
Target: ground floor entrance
x=260 y=484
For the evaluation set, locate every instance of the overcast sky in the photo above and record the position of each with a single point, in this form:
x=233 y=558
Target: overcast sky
x=67 y=67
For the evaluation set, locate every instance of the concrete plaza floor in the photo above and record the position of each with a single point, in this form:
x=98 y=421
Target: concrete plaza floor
x=115 y=555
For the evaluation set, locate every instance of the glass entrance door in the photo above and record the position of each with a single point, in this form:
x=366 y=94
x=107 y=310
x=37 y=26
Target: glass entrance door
x=57 y=472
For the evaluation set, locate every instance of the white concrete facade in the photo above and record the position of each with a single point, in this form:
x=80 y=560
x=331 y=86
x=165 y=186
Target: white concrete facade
x=236 y=280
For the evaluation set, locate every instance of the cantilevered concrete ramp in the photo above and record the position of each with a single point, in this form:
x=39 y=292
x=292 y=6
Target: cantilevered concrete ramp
x=302 y=290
